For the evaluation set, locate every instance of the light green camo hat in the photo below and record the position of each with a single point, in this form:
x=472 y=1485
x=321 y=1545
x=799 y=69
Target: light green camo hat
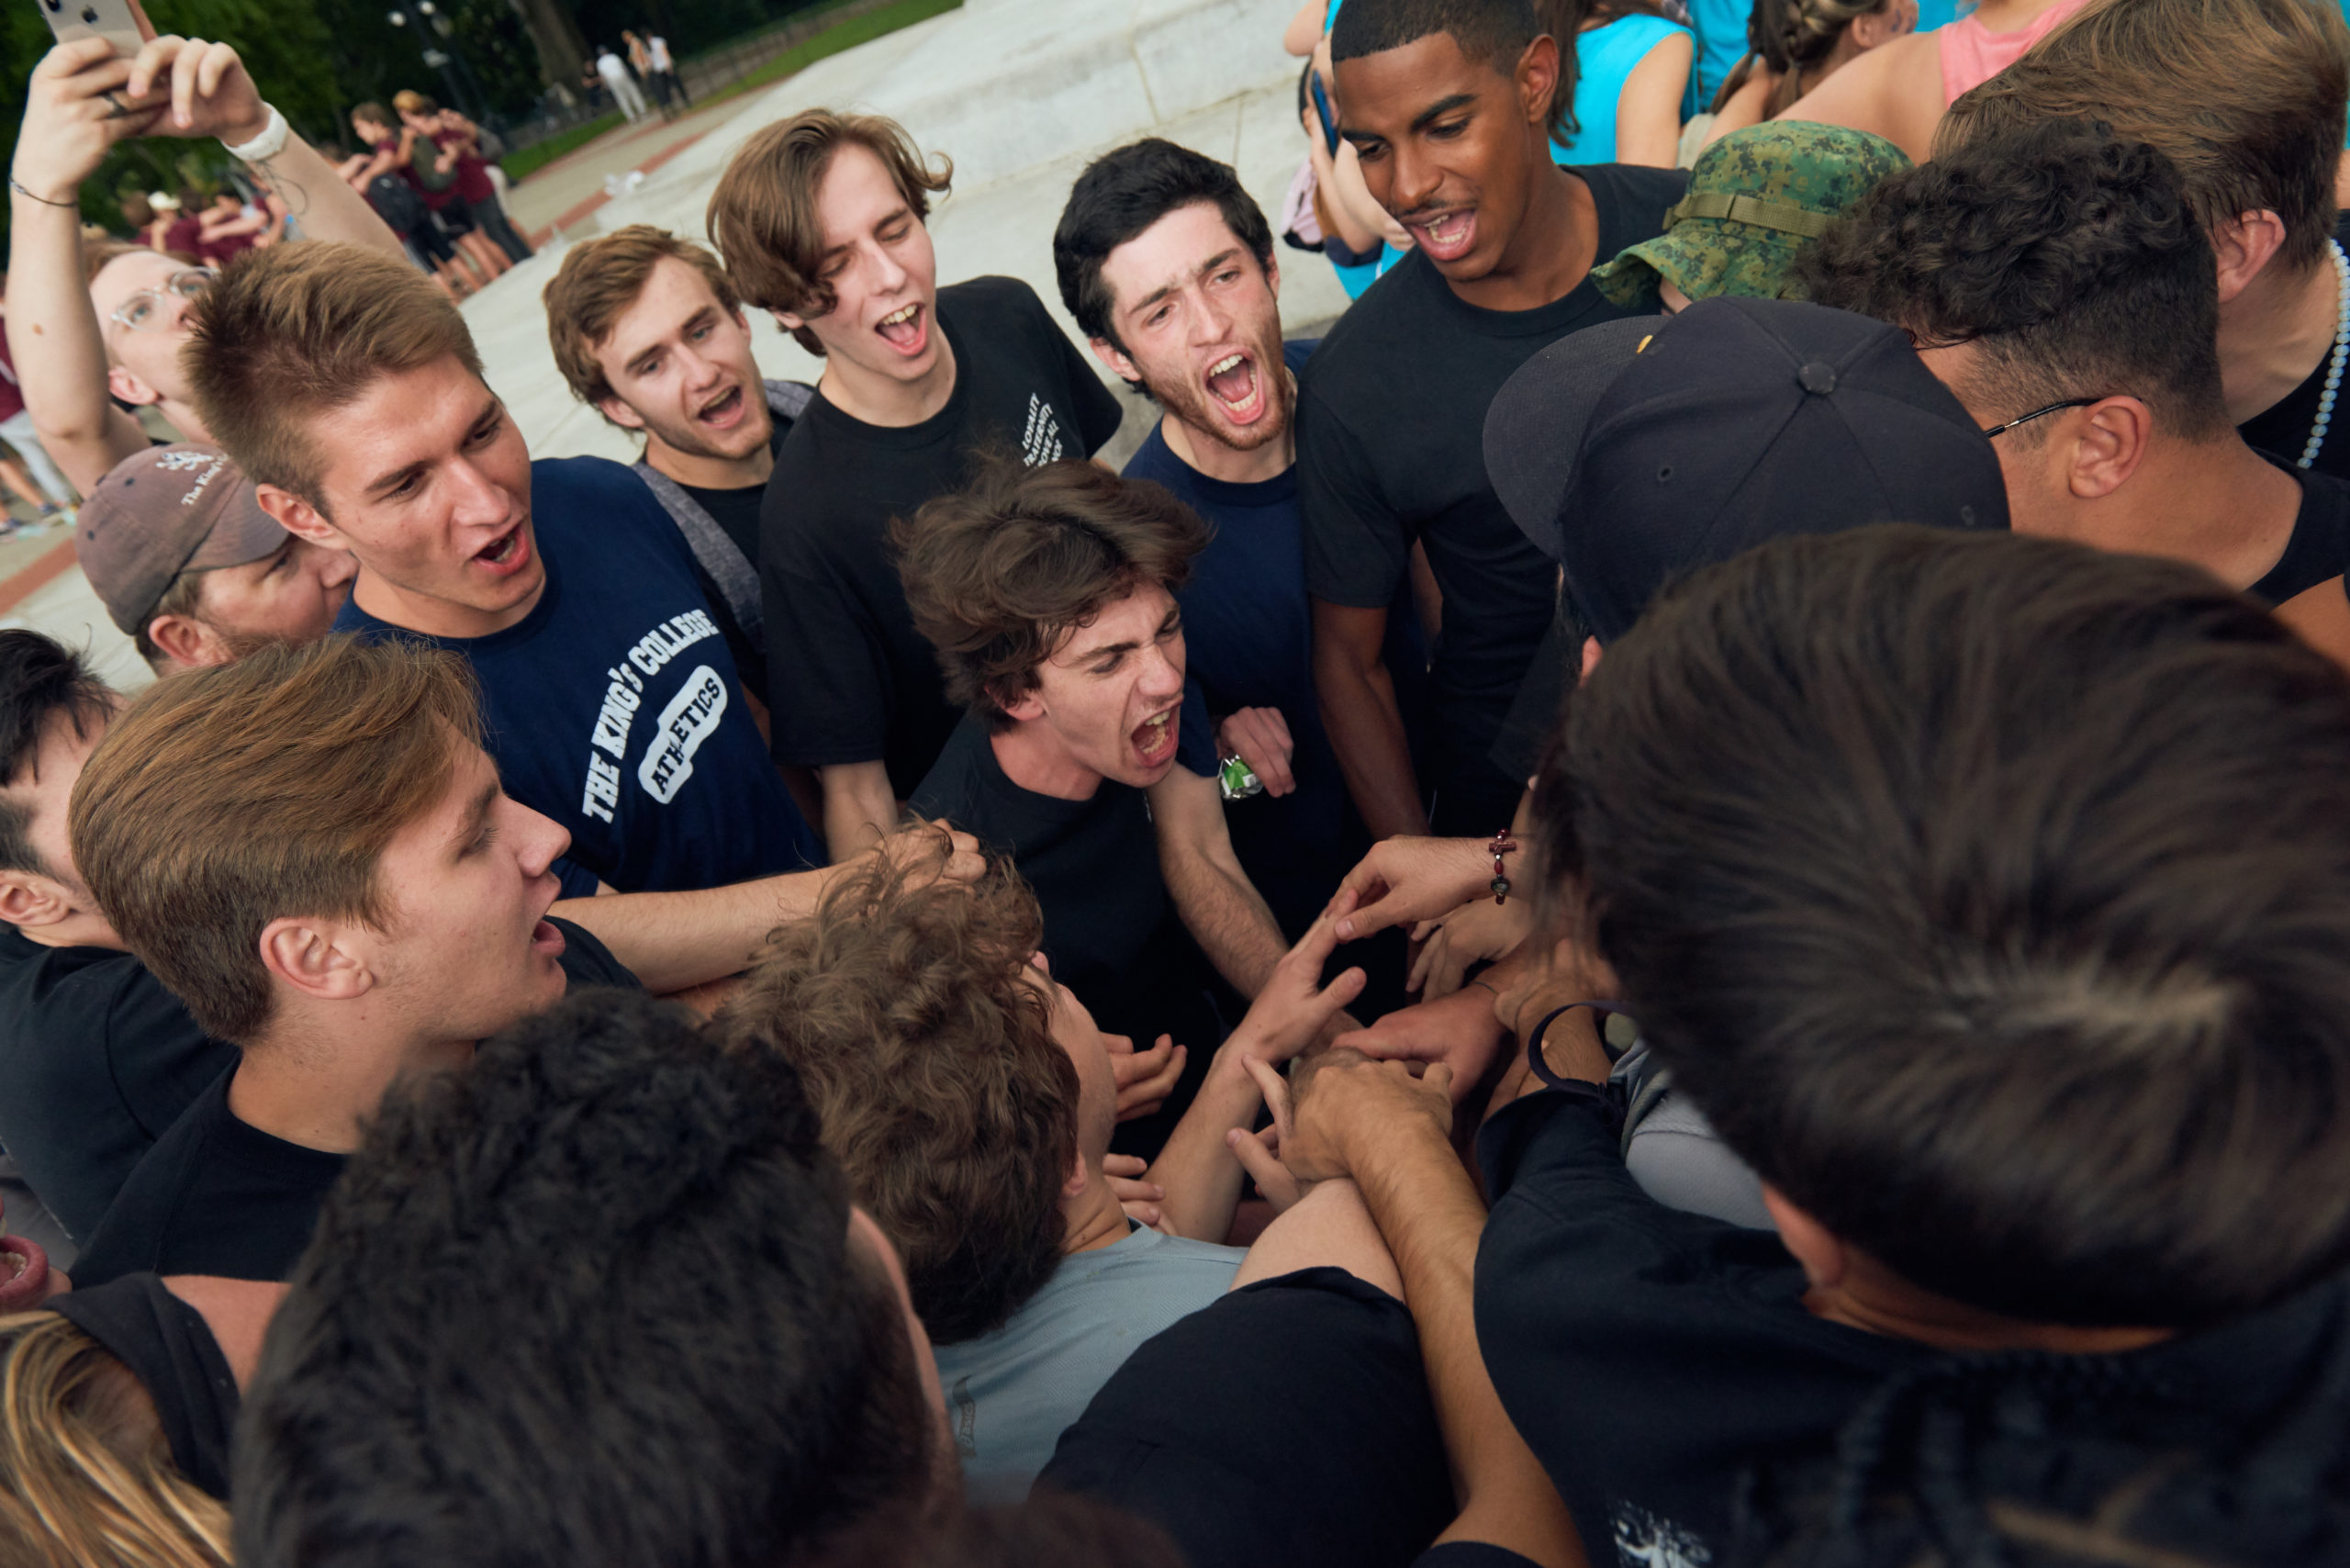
x=1755 y=196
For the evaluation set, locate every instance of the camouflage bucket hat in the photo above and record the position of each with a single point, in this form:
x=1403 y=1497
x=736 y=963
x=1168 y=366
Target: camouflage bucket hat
x=1755 y=197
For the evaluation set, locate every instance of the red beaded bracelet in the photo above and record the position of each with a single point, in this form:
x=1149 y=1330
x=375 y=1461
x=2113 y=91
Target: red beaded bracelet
x=1502 y=844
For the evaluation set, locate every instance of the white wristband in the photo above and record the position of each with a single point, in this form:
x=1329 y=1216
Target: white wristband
x=267 y=145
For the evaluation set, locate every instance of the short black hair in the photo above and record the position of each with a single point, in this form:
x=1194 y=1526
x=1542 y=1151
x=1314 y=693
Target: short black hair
x=592 y=1300
x=1992 y=896
x=39 y=678
x=1123 y=192
x=2069 y=257
x=1497 y=30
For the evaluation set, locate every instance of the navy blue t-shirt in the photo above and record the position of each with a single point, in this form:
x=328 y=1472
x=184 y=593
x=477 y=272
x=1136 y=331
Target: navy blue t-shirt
x=615 y=709
x=1248 y=641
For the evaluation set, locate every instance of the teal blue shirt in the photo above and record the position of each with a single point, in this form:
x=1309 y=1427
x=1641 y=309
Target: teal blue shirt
x=1604 y=58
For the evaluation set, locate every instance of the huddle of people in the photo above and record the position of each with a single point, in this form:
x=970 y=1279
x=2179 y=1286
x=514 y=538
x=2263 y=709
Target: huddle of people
x=1678 y=899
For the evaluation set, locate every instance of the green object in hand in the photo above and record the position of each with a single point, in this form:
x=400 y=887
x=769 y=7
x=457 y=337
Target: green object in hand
x=1236 y=780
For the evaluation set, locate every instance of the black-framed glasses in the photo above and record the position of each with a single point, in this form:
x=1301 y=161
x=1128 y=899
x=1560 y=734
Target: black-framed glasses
x=2040 y=413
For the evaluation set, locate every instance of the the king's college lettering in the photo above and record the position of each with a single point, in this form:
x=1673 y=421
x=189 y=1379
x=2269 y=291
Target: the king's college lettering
x=691 y=718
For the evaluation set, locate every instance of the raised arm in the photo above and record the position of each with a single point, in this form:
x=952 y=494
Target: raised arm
x=60 y=356
x=1389 y=1132
x=1198 y=1171
x=674 y=941
x=1220 y=906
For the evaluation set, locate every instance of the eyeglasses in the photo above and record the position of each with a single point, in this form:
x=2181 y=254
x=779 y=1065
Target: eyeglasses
x=143 y=310
x=2037 y=414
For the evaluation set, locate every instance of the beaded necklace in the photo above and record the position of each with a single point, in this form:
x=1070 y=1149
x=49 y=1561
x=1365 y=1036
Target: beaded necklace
x=2333 y=366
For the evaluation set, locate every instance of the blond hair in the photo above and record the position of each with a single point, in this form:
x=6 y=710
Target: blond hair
x=2244 y=97
x=599 y=281
x=767 y=223
x=293 y=332
x=86 y=1474
x=225 y=798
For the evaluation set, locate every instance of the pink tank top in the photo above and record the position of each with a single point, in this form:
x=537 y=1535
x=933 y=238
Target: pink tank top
x=1973 y=54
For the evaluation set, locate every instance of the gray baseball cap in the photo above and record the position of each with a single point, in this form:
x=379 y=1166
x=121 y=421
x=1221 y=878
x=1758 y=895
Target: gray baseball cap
x=162 y=511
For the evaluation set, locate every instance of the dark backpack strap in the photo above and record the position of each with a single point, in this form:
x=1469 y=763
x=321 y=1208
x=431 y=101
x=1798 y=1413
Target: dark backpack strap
x=737 y=579
x=789 y=399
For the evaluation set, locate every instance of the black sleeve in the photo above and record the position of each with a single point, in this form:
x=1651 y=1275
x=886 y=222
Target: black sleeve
x=587 y=962
x=160 y=1058
x=1471 y=1554
x=829 y=691
x=1357 y=549
x=1308 y=1387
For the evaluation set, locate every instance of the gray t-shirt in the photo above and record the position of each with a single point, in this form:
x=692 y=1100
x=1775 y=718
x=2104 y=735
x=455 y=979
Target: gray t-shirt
x=1010 y=1393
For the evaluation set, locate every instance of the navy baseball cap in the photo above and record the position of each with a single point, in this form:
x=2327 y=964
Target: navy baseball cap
x=1638 y=450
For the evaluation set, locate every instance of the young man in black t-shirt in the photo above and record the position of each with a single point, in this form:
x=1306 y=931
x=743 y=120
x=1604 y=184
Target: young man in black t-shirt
x=96 y=1058
x=312 y=850
x=649 y=332
x=1448 y=105
x=1050 y=593
x=819 y=218
x=1168 y=265
x=2257 y=164
x=2082 y=335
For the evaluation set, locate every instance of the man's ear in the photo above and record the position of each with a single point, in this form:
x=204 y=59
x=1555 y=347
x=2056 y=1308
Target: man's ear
x=1114 y=357
x=2244 y=245
x=299 y=518
x=1022 y=706
x=318 y=959
x=29 y=898
x=1591 y=657
x=1274 y=275
x=2111 y=445
x=620 y=413
x=1078 y=1172
x=1538 y=78
x=187 y=642
x=130 y=388
x=788 y=322
x=1813 y=1244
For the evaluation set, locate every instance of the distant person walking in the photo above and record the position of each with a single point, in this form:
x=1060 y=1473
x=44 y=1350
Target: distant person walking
x=623 y=87
x=664 y=71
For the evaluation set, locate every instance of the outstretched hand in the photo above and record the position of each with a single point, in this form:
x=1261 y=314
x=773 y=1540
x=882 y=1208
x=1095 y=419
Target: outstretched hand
x=1295 y=1007
x=1460 y=1032
x=77 y=108
x=909 y=847
x=204 y=86
x=1411 y=878
x=1344 y=1105
x=1144 y=1077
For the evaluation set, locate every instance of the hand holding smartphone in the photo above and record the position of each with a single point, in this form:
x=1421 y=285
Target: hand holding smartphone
x=121 y=22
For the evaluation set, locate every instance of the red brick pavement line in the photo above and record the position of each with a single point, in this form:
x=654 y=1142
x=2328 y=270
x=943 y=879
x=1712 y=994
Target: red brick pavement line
x=579 y=211
x=44 y=571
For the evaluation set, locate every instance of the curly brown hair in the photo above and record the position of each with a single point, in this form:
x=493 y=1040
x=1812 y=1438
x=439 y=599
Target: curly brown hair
x=999 y=572
x=930 y=1058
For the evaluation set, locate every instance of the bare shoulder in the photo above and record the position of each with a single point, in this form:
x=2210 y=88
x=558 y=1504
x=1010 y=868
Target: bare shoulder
x=1894 y=91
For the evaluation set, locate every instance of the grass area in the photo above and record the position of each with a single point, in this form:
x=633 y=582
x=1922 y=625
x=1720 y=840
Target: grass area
x=834 y=38
x=539 y=154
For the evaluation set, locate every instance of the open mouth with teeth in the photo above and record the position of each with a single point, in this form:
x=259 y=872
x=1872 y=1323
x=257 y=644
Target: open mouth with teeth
x=1239 y=387
x=24 y=1275
x=1154 y=738
x=1448 y=236
x=723 y=411
x=906 y=331
x=507 y=553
